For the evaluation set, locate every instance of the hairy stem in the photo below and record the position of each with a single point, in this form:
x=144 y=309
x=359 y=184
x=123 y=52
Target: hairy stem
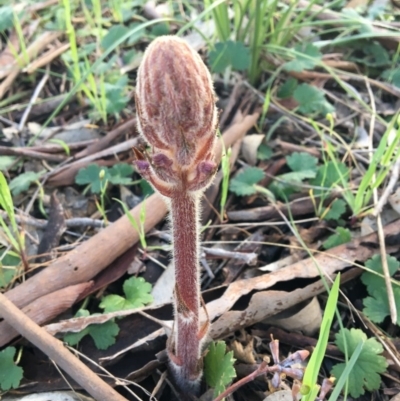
x=184 y=217
x=177 y=116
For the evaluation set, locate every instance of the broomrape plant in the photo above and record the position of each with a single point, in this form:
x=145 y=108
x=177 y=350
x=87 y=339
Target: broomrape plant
x=177 y=116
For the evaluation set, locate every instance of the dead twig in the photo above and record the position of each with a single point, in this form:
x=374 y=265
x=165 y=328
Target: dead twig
x=394 y=178
x=381 y=235
x=33 y=99
x=46 y=58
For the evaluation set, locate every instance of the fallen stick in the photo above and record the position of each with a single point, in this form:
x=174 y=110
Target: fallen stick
x=56 y=351
x=94 y=255
x=45 y=308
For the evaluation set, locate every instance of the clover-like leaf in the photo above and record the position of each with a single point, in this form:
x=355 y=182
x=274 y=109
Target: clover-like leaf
x=102 y=334
x=94 y=176
x=302 y=161
x=366 y=371
x=306 y=58
x=9 y=263
x=137 y=295
x=6 y=17
x=376 y=307
x=287 y=88
x=23 y=181
x=311 y=100
x=10 y=374
x=218 y=367
x=330 y=174
x=229 y=53
x=374 y=282
x=121 y=174
x=303 y=166
x=342 y=236
x=244 y=183
x=392 y=76
x=335 y=210
x=116 y=95
x=115 y=33
x=264 y=152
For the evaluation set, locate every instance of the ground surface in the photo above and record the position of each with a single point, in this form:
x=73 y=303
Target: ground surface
x=308 y=97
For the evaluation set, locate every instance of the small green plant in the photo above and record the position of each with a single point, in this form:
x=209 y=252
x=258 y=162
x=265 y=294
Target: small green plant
x=245 y=183
x=303 y=166
x=137 y=295
x=366 y=371
x=376 y=305
x=342 y=236
x=6 y=18
x=310 y=387
x=230 y=54
x=334 y=211
x=103 y=334
x=22 y=182
x=10 y=374
x=305 y=57
x=97 y=177
x=218 y=367
x=9 y=267
x=105 y=86
x=336 y=174
x=256 y=27
x=311 y=100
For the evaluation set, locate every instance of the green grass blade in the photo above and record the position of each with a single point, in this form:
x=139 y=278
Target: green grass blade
x=314 y=365
x=6 y=202
x=342 y=380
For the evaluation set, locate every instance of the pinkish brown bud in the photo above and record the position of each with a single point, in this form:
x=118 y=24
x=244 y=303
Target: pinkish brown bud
x=177 y=116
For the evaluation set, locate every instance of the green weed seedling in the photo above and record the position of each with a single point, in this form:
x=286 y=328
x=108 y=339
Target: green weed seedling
x=219 y=368
x=245 y=183
x=137 y=294
x=97 y=178
x=376 y=305
x=342 y=236
x=303 y=166
x=10 y=262
x=367 y=365
x=103 y=335
x=22 y=182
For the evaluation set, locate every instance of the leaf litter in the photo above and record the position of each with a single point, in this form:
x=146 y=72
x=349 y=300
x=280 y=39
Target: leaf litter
x=298 y=176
